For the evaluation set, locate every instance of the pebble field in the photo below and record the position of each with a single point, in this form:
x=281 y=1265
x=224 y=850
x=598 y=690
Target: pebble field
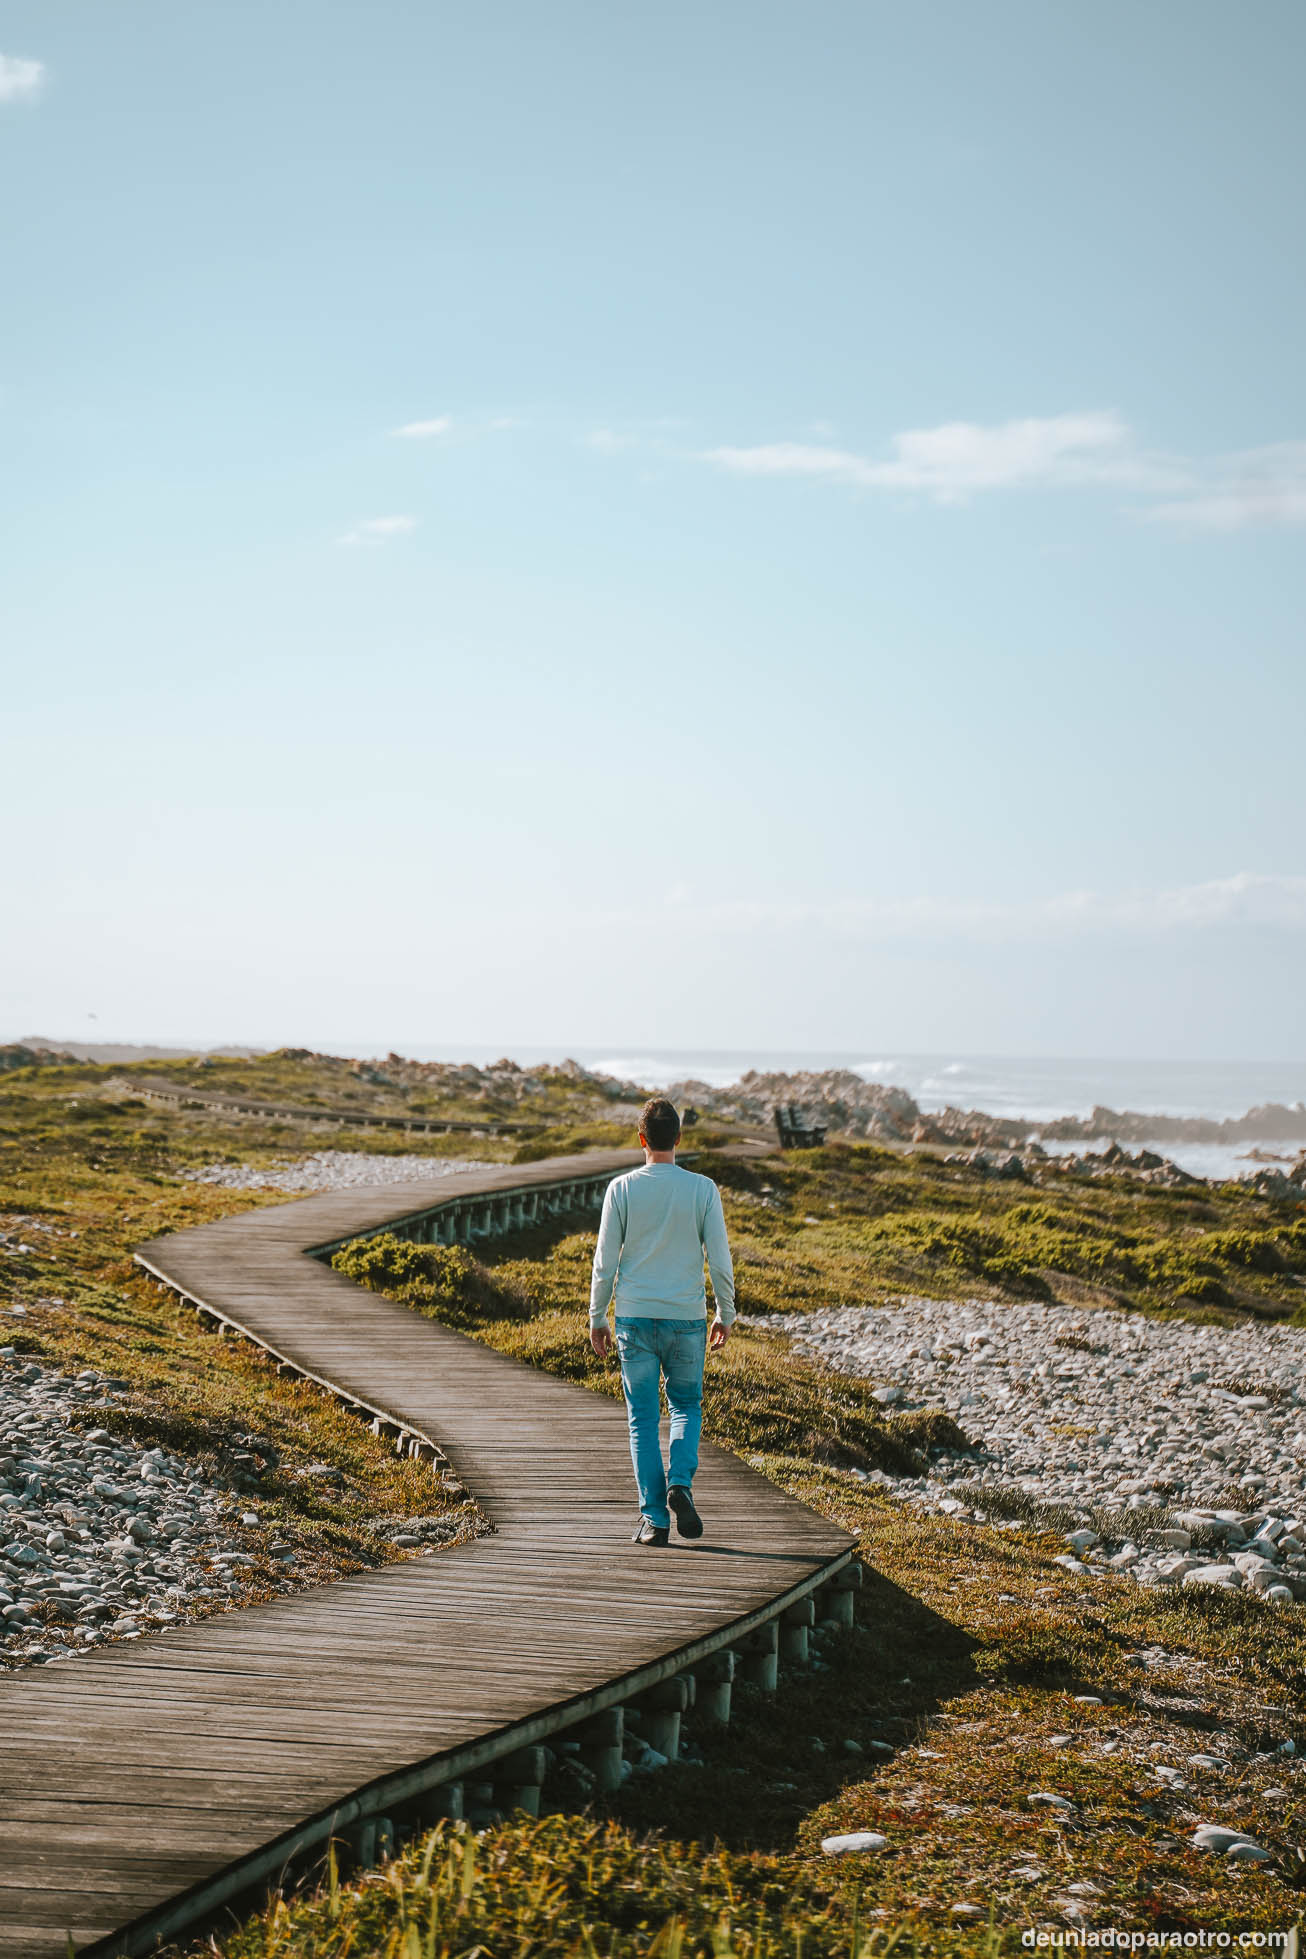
x=1200 y=1430
x=102 y=1539
x=329 y=1170
x=98 y=1537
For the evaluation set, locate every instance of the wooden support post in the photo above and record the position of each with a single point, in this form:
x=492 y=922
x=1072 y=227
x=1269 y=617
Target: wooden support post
x=444 y=1801
x=834 y=1608
x=841 y=1595
x=525 y=1765
x=714 y=1676
x=660 y=1710
x=479 y=1805
x=517 y=1780
x=600 y=1741
x=835 y=1600
x=793 y=1631
x=758 y=1653
x=362 y=1842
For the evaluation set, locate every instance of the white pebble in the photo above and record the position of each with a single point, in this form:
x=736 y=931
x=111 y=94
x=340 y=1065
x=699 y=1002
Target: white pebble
x=857 y=1840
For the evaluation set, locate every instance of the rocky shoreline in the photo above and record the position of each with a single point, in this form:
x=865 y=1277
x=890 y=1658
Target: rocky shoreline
x=846 y=1105
x=1029 y=1163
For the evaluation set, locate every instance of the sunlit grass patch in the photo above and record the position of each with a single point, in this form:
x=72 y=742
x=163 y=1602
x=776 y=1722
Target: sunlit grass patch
x=575 y=1889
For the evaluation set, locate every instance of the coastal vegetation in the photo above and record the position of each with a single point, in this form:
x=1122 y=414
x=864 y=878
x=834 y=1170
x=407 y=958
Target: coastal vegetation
x=982 y=1674
x=850 y=1224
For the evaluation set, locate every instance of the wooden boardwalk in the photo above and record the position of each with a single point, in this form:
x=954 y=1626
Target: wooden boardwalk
x=154 y=1089
x=144 y=1784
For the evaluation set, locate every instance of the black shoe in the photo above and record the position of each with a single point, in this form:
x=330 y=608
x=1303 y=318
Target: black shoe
x=688 y=1521
x=648 y=1533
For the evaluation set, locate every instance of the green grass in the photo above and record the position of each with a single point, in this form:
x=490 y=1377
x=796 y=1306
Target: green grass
x=569 y=1139
x=851 y=1223
x=535 y=1099
x=581 y=1889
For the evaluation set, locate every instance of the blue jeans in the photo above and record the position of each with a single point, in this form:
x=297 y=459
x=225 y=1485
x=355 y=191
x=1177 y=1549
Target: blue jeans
x=651 y=1350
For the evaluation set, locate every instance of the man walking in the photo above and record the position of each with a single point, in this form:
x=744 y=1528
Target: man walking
x=657 y=1225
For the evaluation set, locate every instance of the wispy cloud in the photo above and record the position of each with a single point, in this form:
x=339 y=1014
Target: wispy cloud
x=955 y=462
x=421 y=431
x=1258 y=486
x=1248 y=900
x=374 y=528
x=19 y=77
x=958 y=460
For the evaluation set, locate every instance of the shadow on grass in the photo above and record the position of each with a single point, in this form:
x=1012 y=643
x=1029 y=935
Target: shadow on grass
x=783 y=1757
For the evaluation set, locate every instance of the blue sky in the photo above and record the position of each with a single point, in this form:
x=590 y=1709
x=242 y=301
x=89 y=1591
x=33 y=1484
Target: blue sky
x=734 y=526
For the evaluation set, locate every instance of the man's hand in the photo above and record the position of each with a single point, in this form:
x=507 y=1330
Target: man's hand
x=601 y=1341
x=718 y=1336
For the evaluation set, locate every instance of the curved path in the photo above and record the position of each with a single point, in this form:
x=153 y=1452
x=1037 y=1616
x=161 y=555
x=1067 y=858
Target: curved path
x=152 y=1088
x=144 y=1785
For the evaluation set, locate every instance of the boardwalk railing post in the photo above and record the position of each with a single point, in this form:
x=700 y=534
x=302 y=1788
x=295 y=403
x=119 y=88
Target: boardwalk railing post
x=371 y=1840
x=478 y=1804
x=758 y=1656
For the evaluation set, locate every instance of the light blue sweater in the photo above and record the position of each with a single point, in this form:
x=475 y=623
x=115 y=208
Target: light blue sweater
x=657 y=1224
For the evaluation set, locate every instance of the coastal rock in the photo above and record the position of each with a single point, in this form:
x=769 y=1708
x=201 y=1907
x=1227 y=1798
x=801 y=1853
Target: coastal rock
x=1267 y=1122
x=1218 y=1838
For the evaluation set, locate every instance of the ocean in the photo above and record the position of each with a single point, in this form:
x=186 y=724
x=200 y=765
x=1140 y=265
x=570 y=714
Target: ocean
x=1001 y=1085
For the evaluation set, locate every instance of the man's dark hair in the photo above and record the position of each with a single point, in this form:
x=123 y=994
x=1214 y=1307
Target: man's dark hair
x=659 y=1124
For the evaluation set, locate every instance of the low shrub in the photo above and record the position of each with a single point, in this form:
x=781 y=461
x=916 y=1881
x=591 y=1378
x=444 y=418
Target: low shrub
x=442 y=1281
